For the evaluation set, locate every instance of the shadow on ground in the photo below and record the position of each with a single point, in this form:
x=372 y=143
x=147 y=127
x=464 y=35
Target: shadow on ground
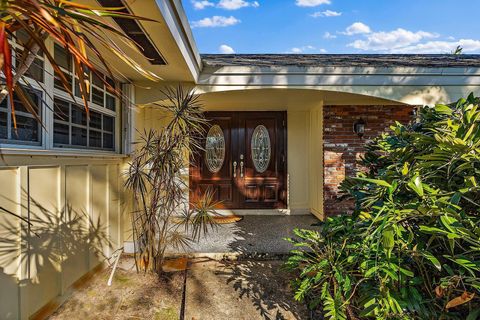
x=248 y=288
x=241 y=290
x=132 y=296
x=254 y=235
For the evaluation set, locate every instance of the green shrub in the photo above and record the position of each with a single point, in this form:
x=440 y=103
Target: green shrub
x=411 y=249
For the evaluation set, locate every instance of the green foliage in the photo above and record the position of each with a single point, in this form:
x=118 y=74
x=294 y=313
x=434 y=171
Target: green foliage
x=411 y=249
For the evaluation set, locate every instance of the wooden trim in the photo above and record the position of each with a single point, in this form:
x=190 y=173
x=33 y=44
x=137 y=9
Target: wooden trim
x=48 y=309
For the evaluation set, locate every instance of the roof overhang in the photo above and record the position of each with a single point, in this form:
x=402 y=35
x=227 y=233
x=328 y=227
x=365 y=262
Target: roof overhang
x=415 y=85
x=169 y=34
x=405 y=79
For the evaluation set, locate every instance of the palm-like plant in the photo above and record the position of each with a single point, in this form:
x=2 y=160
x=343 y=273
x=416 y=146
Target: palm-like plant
x=157 y=178
x=74 y=26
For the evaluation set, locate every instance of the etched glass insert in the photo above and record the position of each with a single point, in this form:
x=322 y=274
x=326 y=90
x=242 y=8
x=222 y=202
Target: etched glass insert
x=215 y=149
x=261 y=149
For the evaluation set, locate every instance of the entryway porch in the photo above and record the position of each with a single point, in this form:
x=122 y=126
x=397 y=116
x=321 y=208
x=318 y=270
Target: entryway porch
x=252 y=237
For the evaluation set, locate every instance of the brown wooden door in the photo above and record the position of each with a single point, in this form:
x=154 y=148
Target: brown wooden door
x=252 y=173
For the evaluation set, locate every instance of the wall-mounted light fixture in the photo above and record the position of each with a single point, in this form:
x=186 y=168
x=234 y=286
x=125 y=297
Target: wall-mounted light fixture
x=359 y=127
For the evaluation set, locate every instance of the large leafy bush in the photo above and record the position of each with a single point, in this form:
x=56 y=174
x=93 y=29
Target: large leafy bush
x=411 y=249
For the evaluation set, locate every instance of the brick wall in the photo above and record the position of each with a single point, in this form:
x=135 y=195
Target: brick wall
x=342 y=148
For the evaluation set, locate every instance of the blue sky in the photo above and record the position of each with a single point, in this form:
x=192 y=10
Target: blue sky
x=334 y=26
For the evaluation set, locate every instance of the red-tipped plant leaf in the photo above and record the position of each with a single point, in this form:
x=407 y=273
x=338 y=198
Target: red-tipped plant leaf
x=7 y=70
x=2 y=41
x=28 y=104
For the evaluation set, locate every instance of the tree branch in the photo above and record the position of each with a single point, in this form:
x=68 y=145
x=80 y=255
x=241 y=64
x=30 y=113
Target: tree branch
x=22 y=69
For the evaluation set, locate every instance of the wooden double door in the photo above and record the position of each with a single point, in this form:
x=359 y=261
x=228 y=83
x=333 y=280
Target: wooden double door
x=244 y=162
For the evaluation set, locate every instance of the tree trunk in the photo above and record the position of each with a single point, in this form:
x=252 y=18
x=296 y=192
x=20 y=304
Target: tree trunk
x=21 y=70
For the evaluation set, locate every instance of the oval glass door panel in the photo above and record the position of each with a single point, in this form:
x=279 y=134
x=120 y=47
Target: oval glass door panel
x=261 y=148
x=215 y=149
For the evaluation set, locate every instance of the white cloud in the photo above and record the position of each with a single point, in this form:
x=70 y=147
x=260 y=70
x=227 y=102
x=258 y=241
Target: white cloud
x=200 y=5
x=326 y=13
x=215 y=21
x=311 y=3
x=323 y=51
x=468 y=46
x=301 y=49
x=226 y=49
x=236 y=4
x=328 y=35
x=357 y=28
x=406 y=41
x=389 y=41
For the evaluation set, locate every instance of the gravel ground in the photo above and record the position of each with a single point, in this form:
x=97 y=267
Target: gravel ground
x=253 y=234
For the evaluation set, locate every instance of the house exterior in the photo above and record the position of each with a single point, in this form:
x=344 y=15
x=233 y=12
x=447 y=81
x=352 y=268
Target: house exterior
x=282 y=139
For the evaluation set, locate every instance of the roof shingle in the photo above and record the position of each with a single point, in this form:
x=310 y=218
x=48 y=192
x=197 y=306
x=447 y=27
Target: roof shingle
x=343 y=60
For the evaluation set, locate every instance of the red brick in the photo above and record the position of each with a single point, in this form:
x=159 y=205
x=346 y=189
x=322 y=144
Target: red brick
x=343 y=148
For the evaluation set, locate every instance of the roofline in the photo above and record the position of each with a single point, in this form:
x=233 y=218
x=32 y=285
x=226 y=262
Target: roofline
x=177 y=22
x=270 y=60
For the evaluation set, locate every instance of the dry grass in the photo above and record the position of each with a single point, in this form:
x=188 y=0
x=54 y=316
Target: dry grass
x=131 y=296
x=216 y=290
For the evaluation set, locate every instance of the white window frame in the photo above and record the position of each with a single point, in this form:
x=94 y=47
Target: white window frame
x=48 y=92
x=28 y=83
x=8 y=113
x=87 y=126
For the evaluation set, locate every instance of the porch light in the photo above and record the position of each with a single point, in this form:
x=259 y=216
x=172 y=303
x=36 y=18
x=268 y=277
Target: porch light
x=359 y=127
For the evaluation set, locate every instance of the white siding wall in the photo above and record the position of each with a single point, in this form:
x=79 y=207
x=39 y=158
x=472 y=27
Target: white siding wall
x=74 y=206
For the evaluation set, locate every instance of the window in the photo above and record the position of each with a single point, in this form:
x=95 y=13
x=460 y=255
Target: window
x=28 y=128
x=64 y=61
x=72 y=128
x=99 y=93
x=36 y=70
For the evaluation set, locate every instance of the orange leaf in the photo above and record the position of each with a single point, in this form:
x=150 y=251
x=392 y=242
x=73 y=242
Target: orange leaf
x=464 y=298
x=87 y=7
x=7 y=70
x=439 y=291
x=45 y=14
x=79 y=70
x=48 y=17
x=179 y=264
x=81 y=43
x=2 y=39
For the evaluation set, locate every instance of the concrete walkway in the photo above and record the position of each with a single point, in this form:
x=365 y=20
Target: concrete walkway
x=252 y=236
x=243 y=290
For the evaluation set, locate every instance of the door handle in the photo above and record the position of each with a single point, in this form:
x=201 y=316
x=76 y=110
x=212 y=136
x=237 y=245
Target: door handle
x=241 y=166
x=234 y=169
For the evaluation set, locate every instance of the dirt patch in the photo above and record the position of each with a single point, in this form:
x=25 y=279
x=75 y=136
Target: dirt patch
x=131 y=296
x=249 y=289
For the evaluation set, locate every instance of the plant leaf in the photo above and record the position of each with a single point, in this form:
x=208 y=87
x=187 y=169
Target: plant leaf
x=464 y=298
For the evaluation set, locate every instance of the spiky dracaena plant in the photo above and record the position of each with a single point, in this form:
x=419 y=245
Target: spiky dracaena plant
x=162 y=218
